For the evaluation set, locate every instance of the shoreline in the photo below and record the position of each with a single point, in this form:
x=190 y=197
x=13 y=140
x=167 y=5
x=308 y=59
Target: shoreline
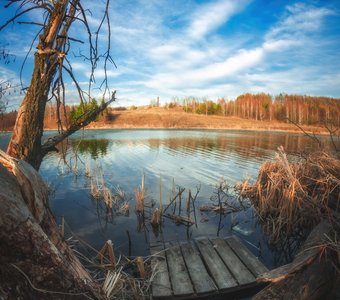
x=242 y=129
x=177 y=119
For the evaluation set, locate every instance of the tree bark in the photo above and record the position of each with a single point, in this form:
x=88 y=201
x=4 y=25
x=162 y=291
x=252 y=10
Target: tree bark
x=35 y=261
x=25 y=142
x=310 y=276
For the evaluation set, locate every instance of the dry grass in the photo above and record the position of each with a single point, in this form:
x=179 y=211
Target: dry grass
x=156 y=217
x=108 y=198
x=95 y=190
x=289 y=196
x=140 y=197
x=177 y=118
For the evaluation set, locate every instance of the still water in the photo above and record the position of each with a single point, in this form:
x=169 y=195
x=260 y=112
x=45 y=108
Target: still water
x=190 y=158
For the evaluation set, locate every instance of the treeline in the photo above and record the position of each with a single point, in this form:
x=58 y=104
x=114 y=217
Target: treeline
x=7 y=120
x=285 y=108
x=299 y=109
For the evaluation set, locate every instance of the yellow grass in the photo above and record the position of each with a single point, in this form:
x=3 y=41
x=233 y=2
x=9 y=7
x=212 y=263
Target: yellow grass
x=177 y=118
x=140 y=197
x=289 y=196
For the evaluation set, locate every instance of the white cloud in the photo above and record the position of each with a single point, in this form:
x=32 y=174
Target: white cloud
x=181 y=48
x=299 y=19
x=212 y=15
x=281 y=45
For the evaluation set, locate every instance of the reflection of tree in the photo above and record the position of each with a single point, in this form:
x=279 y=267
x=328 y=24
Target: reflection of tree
x=93 y=147
x=285 y=249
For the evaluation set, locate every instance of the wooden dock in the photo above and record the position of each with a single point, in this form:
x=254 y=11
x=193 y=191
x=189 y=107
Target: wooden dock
x=203 y=268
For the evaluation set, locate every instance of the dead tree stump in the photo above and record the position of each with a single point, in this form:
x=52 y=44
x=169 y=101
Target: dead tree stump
x=35 y=261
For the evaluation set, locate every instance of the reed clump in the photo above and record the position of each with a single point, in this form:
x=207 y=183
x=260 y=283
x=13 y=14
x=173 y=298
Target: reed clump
x=289 y=196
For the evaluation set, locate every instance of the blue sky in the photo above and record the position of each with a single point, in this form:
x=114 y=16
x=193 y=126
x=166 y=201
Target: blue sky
x=205 y=49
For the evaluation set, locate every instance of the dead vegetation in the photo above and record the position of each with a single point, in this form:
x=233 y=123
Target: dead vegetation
x=289 y=196
x=140 y=197
x=113 y=198
x=223 y=201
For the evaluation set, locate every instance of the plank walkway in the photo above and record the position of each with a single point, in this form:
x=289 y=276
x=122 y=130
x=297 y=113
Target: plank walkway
x=203 y=267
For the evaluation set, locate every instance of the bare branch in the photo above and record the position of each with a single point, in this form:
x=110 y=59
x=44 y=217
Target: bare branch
x=69 y=38
x=312 y=136
x=89 y=116
x=31 y=23
x=18 y=15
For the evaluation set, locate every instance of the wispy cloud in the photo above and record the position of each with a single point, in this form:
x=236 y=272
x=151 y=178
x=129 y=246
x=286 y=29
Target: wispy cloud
x=217 y=48
x=209 y=17
x=299 y=19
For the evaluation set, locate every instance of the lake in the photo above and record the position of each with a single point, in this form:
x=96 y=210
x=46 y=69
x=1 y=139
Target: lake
x=168 y=159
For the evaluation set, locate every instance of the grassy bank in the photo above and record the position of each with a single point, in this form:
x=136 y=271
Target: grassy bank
x=177 y=118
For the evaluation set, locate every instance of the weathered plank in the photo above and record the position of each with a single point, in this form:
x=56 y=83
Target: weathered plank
x=232 y=261
x=215 y=265
x=161 y=286
x=181 y=283
x=253 y=264
x=200 y=278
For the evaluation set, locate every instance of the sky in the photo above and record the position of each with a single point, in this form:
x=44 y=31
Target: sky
x=194 y=48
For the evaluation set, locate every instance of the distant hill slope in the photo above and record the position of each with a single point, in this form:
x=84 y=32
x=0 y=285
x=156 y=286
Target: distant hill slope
x=177 y=118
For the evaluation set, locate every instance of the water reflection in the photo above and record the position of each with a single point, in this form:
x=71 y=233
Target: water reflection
x=192 y=157
x=94 y=147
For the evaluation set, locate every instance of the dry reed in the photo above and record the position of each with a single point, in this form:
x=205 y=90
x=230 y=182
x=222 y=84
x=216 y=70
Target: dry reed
x=140 y=197
x=108 y=251
x=95 y=191
x=108 y=199
x=156 y=217
x=289 y=196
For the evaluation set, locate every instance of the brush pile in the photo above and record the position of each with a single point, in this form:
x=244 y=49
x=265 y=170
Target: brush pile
x=290 y=196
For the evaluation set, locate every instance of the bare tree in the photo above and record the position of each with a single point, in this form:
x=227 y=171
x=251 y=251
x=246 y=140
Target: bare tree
x=51 y=63
x=35 y=260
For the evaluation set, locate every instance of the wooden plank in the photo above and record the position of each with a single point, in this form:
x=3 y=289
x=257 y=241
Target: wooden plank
x=234 y=264
x=215 y=265
x=180 y=280
x=248 y=258
x=200 y=278
x=161 y=286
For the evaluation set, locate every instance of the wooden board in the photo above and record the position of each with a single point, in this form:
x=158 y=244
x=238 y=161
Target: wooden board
x=200 y=278
x=215 y=265
x=253 y=264
x=232 y=261
x=161 y=286
x=181 y=283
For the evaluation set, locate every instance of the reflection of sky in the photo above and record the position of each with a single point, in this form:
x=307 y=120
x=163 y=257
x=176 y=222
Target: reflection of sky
x=191 y=157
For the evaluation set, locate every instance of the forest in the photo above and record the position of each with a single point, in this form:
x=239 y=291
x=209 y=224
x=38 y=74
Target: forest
x=298 y=109
x=309 y=110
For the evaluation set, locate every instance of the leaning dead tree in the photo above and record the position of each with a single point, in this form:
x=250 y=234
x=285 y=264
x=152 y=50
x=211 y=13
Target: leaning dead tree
x=35 y=260
x=51 y=64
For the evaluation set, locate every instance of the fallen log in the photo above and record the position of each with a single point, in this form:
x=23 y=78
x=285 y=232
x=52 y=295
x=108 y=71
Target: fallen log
x=311 y=275
x=35 y=261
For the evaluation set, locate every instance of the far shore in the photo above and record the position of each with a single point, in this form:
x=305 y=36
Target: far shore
x=160 y=118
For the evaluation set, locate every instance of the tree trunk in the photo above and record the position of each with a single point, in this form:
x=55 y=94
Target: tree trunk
x=25 y=142
x=26 y=138
x=35 y=261
x=310 y=276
